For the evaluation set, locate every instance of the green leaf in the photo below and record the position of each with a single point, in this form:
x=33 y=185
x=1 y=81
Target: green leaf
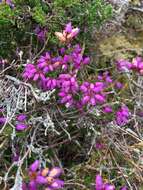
x=39 y=15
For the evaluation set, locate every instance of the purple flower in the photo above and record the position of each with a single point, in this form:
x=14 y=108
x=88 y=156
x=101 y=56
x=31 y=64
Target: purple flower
x=41 y=33
x=66 y=59
x=2 y=120
x=89 y=93
x=122 y=116
x=137 y=64
x=68 y=28
x=40 y=71
x=34 y=166
x=62 y=51
x=85 y=100
x=32 y=185
x=44 y=60
x=108 y=79
x=109 y=187
x=100 y=77
x=99 y=146
x=100 y=98
x=107 y=109
x=99 y=87
x=118 y=85
x=70 y=31
x=68 y=88
x=100 y=185
x=51 y=83
x=21 y=126
x=41 y=180
x=123 y=65
x=46 y=63
x=33 y=73
x=21 y=117
x=77 y=48
x=86 y=60
x=29 y=71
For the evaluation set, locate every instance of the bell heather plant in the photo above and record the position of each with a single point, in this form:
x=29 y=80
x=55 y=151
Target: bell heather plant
x=61 y=73
x=59 y=108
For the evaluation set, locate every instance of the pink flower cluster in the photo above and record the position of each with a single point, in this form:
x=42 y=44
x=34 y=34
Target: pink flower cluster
x=92 y=93
x=47 y=65
x=68 y=89
x=122 y=116
x=100 y=185
x=135 y=65
x=20 y=121
x=61 y=72
x=47 y=178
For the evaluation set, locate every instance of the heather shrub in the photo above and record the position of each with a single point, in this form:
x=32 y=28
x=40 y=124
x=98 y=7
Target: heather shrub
x=66 y=122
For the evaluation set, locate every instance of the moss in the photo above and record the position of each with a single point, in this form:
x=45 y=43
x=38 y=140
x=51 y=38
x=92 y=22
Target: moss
x=121 y=46
x=115 y=46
